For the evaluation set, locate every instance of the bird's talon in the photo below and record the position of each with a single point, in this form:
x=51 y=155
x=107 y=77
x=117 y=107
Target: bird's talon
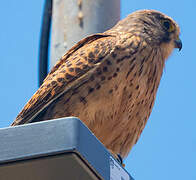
x=119 y=158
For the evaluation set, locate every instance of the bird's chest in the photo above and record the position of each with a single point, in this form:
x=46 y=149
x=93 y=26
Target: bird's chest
x=118 y=112
x=116 y=101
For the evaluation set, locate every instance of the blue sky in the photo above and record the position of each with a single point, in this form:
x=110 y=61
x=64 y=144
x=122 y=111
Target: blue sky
x=167 y=147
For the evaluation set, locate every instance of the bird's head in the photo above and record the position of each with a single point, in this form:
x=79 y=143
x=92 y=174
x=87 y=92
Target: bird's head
x=155 y=28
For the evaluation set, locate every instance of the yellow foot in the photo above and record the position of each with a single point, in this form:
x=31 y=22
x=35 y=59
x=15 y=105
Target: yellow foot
x=117 y=157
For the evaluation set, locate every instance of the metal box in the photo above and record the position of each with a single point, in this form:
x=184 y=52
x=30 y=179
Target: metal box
x=56 y=150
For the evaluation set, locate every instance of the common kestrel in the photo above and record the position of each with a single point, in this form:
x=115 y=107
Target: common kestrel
x=109 y=80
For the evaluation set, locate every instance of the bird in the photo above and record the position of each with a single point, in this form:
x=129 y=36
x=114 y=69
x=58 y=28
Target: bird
x=109 y=80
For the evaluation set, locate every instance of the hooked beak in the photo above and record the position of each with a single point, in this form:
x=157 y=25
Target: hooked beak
x=178 y=44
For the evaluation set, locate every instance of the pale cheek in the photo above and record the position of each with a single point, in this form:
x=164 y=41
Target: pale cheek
x=167 y=50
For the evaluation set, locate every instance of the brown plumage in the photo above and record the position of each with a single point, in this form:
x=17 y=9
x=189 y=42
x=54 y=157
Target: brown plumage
x=109 y=80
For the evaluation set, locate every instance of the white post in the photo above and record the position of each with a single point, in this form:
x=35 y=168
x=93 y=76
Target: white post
x=73 y=20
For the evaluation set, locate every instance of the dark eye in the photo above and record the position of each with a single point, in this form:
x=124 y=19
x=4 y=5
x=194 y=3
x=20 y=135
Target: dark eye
x=167 y=25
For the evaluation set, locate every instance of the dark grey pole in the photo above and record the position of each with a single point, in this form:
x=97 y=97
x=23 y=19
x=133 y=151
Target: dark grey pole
x=44 y=41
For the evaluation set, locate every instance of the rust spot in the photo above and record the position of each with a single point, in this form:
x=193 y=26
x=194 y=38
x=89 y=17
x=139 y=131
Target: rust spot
x=114 y=55
x=130 y=95
x=63 y=71
x=78 y=70
x=110 y=77
x=80 y=4
x=48 y=85
x=97 y=46
x=82 y=53
x=97 y=86
x=90 y=90
x=53 y=92
x=47 y=96
x=115 y=74
x=110 y=91
x=99 y=72
x=96 y=51
x=80 y=18
x=69 y=64
x=67 y=100
x=74 y=58
x=102 y=78
x=71 y=69
x=92 y=78
x=90 y=60
x=108 y=62
x=79 y=63
x=105 y=69
x=85 y=66
x=150 y=105
x=141 y=69
x=60 y=79
x=69 y=76
x=83 y=100
x=53 y=83
x=130 y=70
x=86 y=58
x=91 y=55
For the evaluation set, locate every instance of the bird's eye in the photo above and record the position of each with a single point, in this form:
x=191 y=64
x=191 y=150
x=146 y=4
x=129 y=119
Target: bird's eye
x=167 y=25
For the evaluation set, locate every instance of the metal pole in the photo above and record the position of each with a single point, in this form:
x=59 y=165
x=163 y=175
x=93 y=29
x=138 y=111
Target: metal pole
x=73 y=20
x=44 y=41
